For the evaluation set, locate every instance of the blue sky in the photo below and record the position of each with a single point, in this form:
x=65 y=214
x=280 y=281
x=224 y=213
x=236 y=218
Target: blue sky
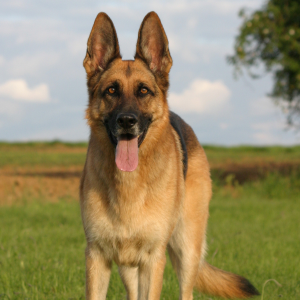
x=42 y=82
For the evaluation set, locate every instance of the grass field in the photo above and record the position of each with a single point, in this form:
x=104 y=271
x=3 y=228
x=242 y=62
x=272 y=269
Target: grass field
x=253 y=227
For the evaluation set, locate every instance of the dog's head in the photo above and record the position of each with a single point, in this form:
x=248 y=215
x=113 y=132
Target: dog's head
x=127 y=98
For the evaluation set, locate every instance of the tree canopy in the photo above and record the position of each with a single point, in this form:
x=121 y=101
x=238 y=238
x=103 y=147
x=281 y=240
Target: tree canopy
x=271 y=36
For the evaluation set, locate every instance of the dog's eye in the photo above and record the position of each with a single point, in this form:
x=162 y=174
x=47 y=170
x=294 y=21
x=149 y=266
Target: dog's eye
x=111 y=90
x=144 y=90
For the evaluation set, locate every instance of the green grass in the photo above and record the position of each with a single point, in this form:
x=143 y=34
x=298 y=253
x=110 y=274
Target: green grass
x=56 y=153
x=253 y=229
x=252 y=234
x=41 y=252
x=42 y=154
x=41 y=144
x=33 y=158
x=40 y=159
x=220 y=154
x=258 y=238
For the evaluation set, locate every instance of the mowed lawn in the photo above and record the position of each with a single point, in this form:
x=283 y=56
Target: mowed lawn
x=253 y=227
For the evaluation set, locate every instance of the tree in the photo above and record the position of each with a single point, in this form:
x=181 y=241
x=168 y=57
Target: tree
x=271 y=36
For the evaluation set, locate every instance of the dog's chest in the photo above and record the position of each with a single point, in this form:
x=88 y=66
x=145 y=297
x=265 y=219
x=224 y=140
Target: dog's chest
x=126 y=236
x=127 y=243
x=130 y=221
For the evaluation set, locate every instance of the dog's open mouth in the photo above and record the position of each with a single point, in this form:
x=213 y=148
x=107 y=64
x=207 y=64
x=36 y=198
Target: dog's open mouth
x=127 y=151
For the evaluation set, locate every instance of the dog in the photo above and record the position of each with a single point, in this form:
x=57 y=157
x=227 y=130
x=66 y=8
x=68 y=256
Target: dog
x=146 y=182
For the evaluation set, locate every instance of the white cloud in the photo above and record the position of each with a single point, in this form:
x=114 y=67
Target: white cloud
x=224 y=126
x=268 y=126
x=274 y=138
x=272 y=132
x=202 y=96
x=195 y=49
x=19 y=90
x=77 y=45
x=270 y=123
x=263 y=106
x=264 y=138
x=9 y=109
x=71 y=133
x=34 y=64
x=218 y=6
x=192 y=23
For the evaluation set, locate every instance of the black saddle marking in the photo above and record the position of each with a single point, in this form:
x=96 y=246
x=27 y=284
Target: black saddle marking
x=179 y=125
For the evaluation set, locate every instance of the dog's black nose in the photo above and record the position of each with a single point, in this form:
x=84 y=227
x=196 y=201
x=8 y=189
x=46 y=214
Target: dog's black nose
x=127 y=120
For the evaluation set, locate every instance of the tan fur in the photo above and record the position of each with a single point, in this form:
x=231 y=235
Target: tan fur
x=133 y=217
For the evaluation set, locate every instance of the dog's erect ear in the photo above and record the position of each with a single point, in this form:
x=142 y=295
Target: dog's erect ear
x=102 y=45
x=152 y=45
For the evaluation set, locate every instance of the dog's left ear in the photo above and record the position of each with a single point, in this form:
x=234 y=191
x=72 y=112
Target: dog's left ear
x=102 y=45
x=152 y=45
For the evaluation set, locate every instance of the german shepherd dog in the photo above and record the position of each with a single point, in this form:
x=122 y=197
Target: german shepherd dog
x=146 y=183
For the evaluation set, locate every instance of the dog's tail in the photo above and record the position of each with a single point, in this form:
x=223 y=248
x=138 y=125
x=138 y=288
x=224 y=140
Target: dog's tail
x=216 y=282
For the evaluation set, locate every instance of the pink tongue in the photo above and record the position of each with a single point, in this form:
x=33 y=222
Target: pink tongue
x=127 y=157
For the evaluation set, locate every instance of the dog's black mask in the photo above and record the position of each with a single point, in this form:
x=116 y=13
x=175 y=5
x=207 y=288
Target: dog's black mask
x=128 y=124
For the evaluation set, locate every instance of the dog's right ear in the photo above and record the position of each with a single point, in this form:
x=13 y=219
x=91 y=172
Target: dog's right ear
x=102 y=45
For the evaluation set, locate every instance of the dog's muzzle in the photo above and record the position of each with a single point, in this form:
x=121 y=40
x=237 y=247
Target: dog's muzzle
x=127 y=133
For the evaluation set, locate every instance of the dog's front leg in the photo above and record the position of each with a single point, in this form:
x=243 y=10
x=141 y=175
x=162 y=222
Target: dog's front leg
x=151 y=277
x=129 y=277
x=98 y=271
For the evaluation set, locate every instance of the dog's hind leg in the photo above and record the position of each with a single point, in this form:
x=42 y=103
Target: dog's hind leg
x=129 y=277
x=185 y=260
x=187 y=244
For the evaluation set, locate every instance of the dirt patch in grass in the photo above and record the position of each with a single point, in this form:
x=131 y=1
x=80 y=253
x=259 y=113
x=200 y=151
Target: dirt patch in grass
x=19 y=184
x=48 y=174
x=44 y=147
x=242 y=173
